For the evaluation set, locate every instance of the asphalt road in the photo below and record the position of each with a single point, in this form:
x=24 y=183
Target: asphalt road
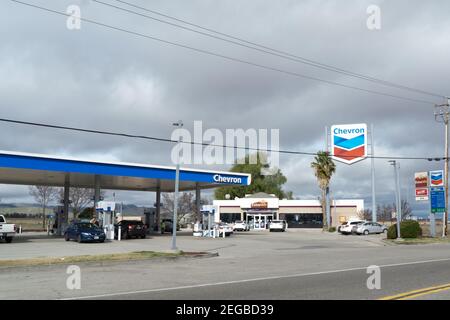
x=250 y=266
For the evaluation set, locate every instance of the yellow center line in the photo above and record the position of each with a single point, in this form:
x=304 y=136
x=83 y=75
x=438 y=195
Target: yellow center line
x=418 y=293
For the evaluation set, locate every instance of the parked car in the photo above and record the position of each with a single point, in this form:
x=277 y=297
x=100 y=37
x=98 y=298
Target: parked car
x=7 y=230
x=277 y=225
x=84 y=232
x=168 y=225
x=130 y=229
x=224 y=227
x=347 y=228
x=370 y=227
x=241 y=226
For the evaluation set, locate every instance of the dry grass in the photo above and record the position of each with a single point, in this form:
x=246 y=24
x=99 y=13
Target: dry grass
x=27 y=223
x=422 y=240
x=137 y=255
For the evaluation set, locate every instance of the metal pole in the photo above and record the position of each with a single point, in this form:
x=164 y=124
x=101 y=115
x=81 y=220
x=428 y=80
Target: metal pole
x=175 y=207
x=445 y=218
x=399 y=195
x=175 y=201
x=374 y=206
x=442 y=112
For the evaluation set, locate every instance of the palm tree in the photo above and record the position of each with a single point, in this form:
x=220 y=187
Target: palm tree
x=324 y=168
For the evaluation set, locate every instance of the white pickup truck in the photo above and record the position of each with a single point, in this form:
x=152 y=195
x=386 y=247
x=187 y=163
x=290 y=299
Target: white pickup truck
x=7 y=230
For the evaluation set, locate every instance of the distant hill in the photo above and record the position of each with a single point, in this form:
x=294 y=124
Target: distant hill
x=16 y=205
x=32 y=209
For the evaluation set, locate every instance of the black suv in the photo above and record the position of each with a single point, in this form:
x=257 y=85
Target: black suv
x=130 y=229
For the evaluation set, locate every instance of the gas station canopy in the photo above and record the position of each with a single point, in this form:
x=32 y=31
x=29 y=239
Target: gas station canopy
x=36 y=169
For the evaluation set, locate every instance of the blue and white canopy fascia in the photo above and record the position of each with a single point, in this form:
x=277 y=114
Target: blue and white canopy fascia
x=35 y=169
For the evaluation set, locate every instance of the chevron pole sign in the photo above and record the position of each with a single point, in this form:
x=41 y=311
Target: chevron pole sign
x=349 y=142
x=436 y=178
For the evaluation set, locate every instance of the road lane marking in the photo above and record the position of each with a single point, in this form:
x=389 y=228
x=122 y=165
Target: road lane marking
x=249 y=280
x=418 y=293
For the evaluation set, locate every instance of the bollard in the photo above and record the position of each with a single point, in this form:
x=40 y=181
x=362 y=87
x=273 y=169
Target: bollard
x=224 y=233
x=119 y=235
x=20 y=229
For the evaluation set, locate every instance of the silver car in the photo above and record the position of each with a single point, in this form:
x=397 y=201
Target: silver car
x=370 y=227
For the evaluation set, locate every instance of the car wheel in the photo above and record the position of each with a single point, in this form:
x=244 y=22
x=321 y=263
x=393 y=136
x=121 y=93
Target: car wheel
x=385 y=231
x=101 y=241
x=143 y=236
x=79 y=238
x=66 y=237
x=366 y=232
x=8 y=239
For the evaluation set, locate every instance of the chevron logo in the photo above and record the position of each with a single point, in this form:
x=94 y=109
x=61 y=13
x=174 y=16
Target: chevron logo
x=349 y=142
x=436 y=178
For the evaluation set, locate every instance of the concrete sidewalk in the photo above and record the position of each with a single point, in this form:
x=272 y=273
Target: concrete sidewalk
x=37 y=245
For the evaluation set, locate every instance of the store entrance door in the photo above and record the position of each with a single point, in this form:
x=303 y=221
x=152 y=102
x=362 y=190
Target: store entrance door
x=259 y=221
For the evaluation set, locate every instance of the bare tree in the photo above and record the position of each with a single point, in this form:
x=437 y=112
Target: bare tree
x=80 y=198
x=406 y=209
x=43 y=195
x=186 y=204
x=365 y=214
x=384 y=212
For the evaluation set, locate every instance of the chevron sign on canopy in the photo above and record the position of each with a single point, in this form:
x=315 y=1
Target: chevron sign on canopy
x=349 y=142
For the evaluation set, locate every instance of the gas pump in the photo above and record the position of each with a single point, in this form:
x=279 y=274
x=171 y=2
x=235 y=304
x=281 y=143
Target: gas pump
x=106 y=214
x=208 y=212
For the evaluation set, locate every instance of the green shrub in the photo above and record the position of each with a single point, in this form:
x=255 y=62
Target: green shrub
x=392 y=232
x=332 y=229
x=408 y=229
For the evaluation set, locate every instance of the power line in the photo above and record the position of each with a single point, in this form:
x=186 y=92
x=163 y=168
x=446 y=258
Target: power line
x=261 y=48
x=211 y=53
x=127 y=135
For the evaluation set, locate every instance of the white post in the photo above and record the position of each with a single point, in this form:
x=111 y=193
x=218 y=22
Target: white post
x=119 y=235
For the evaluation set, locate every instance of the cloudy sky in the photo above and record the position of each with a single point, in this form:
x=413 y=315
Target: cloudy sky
x=100 y=78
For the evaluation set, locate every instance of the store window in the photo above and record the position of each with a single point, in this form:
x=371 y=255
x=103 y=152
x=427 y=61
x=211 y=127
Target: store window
x=230 y=217
x=304 y=220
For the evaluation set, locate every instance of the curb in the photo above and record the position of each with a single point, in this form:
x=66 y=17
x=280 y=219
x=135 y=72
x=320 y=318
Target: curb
x=186 y=255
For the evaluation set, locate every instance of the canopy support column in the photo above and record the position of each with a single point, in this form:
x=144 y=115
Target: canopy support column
x=63 y=217
x=158 y=209
x=198 y=208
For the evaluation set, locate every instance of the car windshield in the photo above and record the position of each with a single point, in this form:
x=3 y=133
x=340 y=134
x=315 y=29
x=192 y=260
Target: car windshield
x=86 y=226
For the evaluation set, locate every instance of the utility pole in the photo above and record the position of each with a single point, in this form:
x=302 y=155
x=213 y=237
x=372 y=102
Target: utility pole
x=441 y=114
x=372 y=164
x=398 y=198
x=175 y=200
